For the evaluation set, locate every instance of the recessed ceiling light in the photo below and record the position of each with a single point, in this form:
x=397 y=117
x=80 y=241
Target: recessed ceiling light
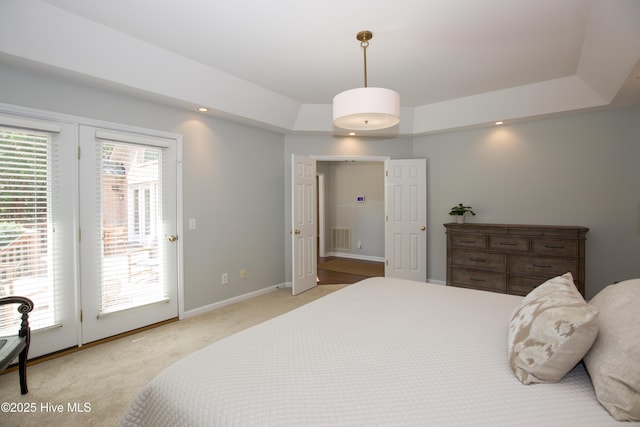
x=203 y=109
x=499 y=123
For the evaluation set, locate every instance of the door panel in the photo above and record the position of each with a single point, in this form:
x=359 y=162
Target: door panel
x=128 y=265
x=38 y=232
x=303 y=233
x=406 y=219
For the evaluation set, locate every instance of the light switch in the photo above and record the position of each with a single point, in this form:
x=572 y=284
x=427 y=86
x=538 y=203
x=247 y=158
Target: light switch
x=192 y=223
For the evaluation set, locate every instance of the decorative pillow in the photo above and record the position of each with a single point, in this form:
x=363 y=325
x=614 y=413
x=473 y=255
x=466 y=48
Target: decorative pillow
x=550 y=331
x=614 y=360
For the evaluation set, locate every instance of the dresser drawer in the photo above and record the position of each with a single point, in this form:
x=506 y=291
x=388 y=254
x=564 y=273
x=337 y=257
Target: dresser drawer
x=480 y=260
x=509 y=243
x=542 y=266
x=569 y=233
x=559 y=247
x=471 y=241
x=478 y=280
x=523 y=285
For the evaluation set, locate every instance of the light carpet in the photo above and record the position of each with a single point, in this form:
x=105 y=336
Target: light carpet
x=346 y=265
x=102 y=380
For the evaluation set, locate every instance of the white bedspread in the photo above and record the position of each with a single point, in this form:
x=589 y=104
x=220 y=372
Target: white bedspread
x=382 y=352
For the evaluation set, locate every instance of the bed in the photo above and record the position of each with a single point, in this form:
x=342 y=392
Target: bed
x=383 y=351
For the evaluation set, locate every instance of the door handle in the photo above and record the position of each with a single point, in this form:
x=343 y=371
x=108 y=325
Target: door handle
x=423 y=228
x=173 y=238
x=297 y=231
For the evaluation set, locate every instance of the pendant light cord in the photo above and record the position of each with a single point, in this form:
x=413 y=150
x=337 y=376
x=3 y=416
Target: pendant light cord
x=364 y=45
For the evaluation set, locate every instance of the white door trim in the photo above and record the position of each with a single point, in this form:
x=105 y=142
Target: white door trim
x=321 y=214
x=335 y=158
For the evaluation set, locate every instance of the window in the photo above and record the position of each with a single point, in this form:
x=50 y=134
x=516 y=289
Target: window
x=131 y=223
x=26 y=231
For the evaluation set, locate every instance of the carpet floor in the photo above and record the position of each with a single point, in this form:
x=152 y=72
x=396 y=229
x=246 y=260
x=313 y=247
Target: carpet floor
x=346 y=265
x=94 y=386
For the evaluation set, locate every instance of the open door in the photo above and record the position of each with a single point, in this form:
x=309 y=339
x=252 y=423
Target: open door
x=303 y=218
x=406 y=219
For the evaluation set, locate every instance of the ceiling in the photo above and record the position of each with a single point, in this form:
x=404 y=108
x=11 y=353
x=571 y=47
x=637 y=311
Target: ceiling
x=278 y=64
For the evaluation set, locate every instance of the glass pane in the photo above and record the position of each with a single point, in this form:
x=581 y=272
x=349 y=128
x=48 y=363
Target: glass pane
x=131 y=217
x=25 y=227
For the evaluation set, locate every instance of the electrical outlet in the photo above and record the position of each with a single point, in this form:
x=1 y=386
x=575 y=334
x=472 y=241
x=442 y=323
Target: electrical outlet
x=224 y=279
x=243 y=274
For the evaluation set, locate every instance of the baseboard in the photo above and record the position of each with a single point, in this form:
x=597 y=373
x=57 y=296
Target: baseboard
x=355 y=256
x=220 y=304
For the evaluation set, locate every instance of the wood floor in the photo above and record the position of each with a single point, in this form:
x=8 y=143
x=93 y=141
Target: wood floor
x=327 y=277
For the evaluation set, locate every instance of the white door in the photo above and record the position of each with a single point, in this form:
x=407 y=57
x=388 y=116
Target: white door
x=303 y=217
x=129 y=248
x=406 y=219
x=38 y=232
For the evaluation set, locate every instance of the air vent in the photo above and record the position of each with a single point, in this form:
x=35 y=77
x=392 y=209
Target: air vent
x=341 y=238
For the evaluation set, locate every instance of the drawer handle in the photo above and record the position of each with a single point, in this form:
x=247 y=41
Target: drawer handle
x=553 y=247
x=508 y=243
x=542 y=266
x=477 y=259
x=474 y=279
x=467 y=241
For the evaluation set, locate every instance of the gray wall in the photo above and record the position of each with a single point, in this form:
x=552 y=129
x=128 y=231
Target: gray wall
x=232 y=180
x=582 y=169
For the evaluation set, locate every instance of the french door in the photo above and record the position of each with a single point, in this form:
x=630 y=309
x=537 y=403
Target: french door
x=128 y=219
x=406 y=219
x=303 y=234
x=38 y=229
x=88 y=229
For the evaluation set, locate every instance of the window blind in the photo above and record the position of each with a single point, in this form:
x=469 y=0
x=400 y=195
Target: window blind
x=28 y=197
x=130 y=217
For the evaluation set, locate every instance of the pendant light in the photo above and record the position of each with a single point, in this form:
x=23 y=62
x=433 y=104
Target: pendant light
x=366 y=108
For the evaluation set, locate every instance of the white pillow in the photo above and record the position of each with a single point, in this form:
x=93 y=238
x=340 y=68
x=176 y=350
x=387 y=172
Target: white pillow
x=614 y=360
x=550 y=331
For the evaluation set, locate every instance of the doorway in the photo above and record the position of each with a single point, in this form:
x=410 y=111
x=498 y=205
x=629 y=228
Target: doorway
x=350 y=206
x=405 y=207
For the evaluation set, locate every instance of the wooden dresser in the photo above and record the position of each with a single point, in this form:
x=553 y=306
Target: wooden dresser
x=513 y=259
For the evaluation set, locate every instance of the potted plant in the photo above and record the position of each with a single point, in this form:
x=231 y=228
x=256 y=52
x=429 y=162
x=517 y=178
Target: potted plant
x=459 y=211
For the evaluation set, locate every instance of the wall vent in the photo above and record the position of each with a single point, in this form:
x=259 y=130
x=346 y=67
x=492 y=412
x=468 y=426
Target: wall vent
x=341 y=238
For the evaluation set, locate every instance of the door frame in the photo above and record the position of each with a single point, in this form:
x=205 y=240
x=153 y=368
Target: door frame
x=321 y=216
